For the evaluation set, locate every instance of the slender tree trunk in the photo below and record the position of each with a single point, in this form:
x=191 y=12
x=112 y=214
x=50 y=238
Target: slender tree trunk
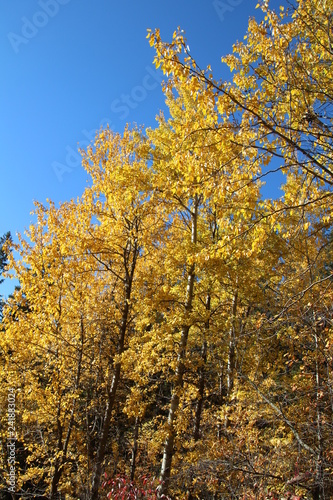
x=168 y=450
x=220 y=399
x=130 y=255
x=202 y=374
x=59 y=463
x=319 y=468
x=231 y=353
x=318 y=491
x=110 y=404
x=174 y=404
x=55 y=481
x=135 y=447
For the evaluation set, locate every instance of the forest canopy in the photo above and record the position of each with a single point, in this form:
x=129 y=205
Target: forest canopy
x=172 y=333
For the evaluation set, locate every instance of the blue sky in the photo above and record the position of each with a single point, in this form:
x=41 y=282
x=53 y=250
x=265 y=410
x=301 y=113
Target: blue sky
x=70 y=66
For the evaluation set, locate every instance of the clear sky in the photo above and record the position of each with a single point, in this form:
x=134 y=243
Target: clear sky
x=70 y=66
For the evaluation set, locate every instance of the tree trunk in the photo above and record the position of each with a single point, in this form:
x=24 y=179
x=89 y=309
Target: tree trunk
x=130 y=255
x=109 y=407
x=231 y=353
x=64 y=447
x=168 y=450
x=198 y=409
x=319 y=467
x=57 y=466
x=220 y=399
x=135 y=447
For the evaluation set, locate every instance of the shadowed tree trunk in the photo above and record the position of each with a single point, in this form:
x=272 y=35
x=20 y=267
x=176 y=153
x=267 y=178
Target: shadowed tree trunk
x=130 y=257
